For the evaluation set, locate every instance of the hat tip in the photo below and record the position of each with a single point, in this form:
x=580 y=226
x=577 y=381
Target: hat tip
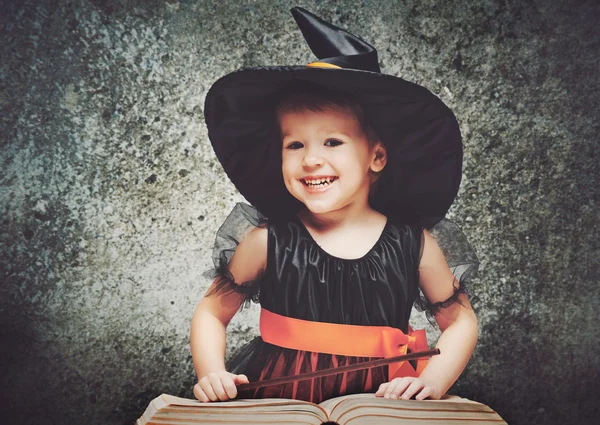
x=298 y=11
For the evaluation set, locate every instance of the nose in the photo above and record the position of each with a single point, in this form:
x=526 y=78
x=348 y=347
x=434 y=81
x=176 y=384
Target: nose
x=312 y=157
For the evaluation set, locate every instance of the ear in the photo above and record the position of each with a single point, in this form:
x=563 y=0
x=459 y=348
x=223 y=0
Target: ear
x=379 y=158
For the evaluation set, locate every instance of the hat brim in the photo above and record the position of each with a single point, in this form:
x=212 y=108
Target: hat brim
x=422 y=137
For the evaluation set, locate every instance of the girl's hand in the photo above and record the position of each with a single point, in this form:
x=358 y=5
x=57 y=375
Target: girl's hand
x=218 y=386
x=406 y=388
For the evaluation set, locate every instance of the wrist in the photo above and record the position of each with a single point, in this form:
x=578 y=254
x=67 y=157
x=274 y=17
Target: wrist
x=437 y=387
x=211 y=369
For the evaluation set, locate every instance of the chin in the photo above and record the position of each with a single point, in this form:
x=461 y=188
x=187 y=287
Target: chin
x=324 y=205
x=316 y=210
x=320 y=207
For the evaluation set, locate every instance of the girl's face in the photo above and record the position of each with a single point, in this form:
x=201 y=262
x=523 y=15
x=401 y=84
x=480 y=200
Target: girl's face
x=326 y=159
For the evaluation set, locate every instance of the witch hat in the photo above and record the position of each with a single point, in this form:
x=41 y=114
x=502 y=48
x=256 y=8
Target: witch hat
x=423 y=172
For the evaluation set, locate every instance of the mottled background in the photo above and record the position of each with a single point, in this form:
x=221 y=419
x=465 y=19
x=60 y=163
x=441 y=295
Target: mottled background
x=110 y=194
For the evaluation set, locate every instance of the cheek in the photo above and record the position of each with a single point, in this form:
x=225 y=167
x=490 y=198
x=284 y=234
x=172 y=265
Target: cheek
x=286 y=167
x=359 y=159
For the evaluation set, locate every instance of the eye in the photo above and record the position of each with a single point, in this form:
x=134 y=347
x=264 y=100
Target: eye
x=294 y=146
x=333 y=143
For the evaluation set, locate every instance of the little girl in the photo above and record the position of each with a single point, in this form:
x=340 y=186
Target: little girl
x=347 y=168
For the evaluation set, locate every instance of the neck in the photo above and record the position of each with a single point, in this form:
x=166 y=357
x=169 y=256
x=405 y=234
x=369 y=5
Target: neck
x=348 y=216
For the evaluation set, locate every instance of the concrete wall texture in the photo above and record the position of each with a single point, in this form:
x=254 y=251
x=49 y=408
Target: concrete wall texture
x=110 y=194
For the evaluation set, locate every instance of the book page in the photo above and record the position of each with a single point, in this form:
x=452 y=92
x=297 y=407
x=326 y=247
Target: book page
x=167 y=409
x=365 y=409
x=330 y=404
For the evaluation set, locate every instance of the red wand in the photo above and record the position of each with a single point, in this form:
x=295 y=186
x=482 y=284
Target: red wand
x=335 y=370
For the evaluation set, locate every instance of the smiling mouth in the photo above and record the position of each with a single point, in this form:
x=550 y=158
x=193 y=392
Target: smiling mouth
x=320 y=182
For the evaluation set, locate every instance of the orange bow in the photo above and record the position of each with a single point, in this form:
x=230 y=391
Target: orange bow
x=347 y=340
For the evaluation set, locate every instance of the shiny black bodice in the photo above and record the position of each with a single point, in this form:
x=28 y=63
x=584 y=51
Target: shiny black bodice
x=305 y=282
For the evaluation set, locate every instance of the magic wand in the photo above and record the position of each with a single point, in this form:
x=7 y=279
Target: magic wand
x=334 y=371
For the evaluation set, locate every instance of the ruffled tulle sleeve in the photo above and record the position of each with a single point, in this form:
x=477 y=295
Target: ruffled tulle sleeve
x=242 y=219
x=461 y=259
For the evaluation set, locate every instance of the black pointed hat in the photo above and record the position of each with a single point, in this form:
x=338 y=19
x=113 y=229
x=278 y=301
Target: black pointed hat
x=423 y=172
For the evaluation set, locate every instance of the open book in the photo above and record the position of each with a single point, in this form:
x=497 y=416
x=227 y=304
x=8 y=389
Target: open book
x=357 y=409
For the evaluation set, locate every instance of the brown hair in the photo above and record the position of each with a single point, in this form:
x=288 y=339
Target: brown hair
x=310 y=97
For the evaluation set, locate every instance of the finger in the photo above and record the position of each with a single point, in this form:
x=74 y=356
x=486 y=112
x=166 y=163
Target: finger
x=210 y=393
x=425 y=392
x=200 y=395
x=206 y=386
x=400 y=386
x=412 y=389
x=381 y=391
x=240 y=379
x=229 y=387
x=217 y=387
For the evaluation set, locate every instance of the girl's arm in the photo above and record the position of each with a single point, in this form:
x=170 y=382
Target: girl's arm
x=459 y=331
x=211 y=317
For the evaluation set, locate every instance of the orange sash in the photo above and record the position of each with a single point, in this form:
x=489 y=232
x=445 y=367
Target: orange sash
x=346 y=340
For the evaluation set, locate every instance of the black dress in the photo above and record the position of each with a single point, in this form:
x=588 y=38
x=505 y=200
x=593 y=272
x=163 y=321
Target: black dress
x=303 y=281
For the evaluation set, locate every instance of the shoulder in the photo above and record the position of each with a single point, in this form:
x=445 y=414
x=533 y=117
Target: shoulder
x=284 y=232
x=435 y=277
x=406 y=234
x=255 y=239
x=415 y=239
x=254 y=243
x=408 y=229
x=250 y=257
x=432 y=255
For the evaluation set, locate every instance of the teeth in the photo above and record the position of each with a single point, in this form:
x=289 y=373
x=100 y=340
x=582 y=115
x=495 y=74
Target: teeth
x=319 y=182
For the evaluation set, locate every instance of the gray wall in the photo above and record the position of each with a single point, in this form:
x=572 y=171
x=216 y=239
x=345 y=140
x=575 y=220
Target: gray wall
x=110 y=194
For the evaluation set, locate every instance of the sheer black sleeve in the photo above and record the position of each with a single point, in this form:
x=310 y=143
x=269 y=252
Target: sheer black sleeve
x=461 y=260
x=242 y=219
